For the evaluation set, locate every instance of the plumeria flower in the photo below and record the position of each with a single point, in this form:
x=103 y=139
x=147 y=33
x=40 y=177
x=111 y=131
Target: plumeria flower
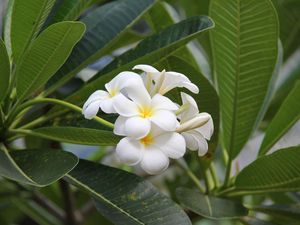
x=195 y=127
x=139 y=111
x=153 y=151
x=105 y=99
x=162 y=82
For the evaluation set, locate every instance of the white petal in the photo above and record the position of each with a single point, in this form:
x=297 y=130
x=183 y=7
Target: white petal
x=129 y=151
x=96 y=96
x=121 y=81
x=107 y=105
x=138 y=93
x=154 y=161
x=119 y=127
x=162 y=102
x=174 y=79
x=172 y=144
x=202 y=145
x=190 y=141
x=196 y=122
x=207 y=129
x=165 y=120
x=145 y=68
x=137 y=127
x=91 y=110
x=192 y=109
x=124 y=106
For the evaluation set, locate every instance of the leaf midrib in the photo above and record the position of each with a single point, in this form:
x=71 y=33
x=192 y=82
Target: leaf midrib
x=30 y=40
x=25 y=92
x=104 y=199
x=236 y=91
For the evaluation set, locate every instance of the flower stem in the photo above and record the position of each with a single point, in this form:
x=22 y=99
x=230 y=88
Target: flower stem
x=193 y=177
x=62 y=103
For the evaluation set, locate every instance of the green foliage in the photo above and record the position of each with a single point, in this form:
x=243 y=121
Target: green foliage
x=120 y=196
x=113 y=20
x=209 y=206
x=245 y=53
x=277 y=172
x=36 y=167
x=287 y=116
x=46 y=55
x=151 y=49
x=25 y=23
x=77 y=135
x=245 y=64
x=5 y=71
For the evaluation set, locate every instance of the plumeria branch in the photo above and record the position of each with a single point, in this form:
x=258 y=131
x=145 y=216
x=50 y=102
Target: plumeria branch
x=59 y=102
x=182 y=164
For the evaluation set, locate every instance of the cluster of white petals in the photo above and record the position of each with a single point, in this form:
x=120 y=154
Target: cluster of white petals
x=154 y=127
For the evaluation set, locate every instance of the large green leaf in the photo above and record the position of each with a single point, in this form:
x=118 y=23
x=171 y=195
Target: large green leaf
x=105 y=26
x=125 y=198
x=209 y=206
x=150 y=50
x=68 y=10
x=27 y=18
x=289 y=16
x=75 y=135
x=277 y=172
x=207 y=99
x=163 y=15
x=254 y=221
x=4 y=71
x=244 y=45
x=289 y=74
x=46 y=55
x=36 y=167
x=286 y=117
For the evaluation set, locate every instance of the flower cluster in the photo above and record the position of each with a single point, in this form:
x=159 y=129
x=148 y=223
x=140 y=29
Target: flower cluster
x=154 y=127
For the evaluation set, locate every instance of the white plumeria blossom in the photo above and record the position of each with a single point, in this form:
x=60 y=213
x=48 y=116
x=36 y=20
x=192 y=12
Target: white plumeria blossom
x=137 y=114
x=195 y=127
x=155 y=128
x=164 y=81
x=104 y=99
x=153 y=151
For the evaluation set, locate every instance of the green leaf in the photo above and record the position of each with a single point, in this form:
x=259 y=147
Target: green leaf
x=69 y=10
x=287 y=211
x=289 y=16
x=150 y=50
x=286 y=117
x=163 y=15
x=210 y=206
x=125 y=198
x=75 y=135
x=35 y=212
x=244 y=45
x=289 y=74
x=27 y=18
x=46 y=55
x=207 y=99
x=36 y=167
x=278 y=172
x=105 y=26
x=4 y=71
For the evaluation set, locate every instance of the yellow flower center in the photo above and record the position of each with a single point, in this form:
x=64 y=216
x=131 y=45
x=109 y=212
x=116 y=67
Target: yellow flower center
x=146 y=112
x=113 y=92
x=147 y=140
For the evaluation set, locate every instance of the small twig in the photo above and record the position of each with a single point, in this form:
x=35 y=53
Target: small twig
x=47 y=204
x=87 y=209
x=69 y=201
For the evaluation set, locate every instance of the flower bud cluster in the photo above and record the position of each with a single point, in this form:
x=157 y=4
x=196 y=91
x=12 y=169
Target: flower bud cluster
x=154 y=127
